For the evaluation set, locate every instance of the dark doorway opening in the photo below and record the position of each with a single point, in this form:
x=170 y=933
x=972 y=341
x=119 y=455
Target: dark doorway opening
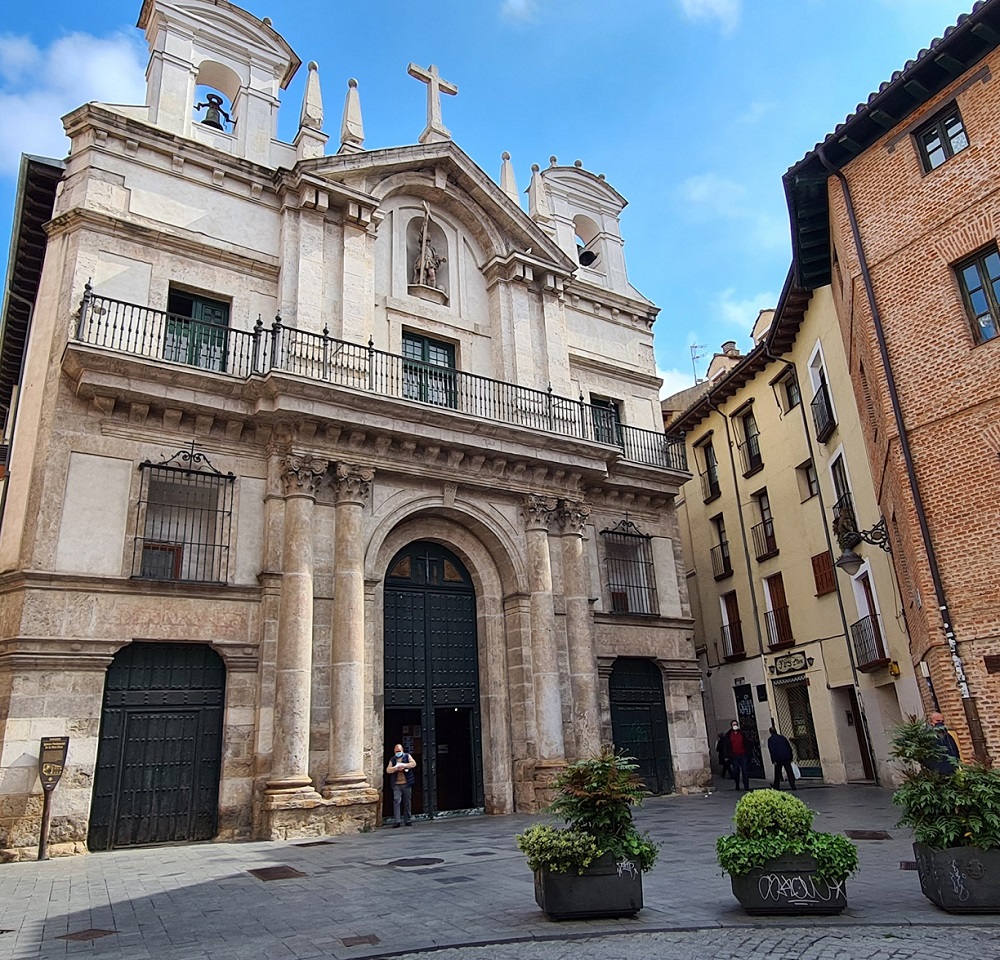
x=747 y=713
x=159 y=755
x=432 y=679
x=639 y=720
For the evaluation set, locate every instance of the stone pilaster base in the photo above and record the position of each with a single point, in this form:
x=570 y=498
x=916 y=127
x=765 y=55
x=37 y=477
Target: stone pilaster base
x=71 y=849
x=284 y=817
x=534 y=784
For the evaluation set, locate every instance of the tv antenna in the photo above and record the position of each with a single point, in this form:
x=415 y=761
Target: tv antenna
x=695 y=357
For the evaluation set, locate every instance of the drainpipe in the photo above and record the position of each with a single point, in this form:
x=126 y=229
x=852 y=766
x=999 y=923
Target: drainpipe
x=743 y=531
x=836 y=580
x=968 y=701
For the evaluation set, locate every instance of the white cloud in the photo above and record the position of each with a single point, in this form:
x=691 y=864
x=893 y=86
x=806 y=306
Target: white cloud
x=674 y=380
x=41 y=85
x=711 y=192
x=755 y=112
x=727 y=12
x=519 y=9
x=728 y=308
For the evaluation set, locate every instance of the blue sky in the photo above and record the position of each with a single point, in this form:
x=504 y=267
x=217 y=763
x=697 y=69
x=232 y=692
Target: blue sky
x=693 y=109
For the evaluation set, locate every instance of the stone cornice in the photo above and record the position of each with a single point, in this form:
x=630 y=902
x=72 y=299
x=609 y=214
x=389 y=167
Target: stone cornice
x=623 y=309
x=300 y=188
x=635 y=620
x=13 y=581
x=166 y=237
x=614 y=370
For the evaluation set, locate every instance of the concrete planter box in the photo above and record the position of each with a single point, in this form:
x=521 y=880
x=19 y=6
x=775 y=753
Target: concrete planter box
x=788 y=886
x=960 y=879
x=607 y=888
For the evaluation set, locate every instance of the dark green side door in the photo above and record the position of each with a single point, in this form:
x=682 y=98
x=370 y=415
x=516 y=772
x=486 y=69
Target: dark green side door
x=639 y=720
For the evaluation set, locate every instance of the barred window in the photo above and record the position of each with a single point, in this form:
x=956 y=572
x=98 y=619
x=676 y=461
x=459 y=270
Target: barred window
x=184 y=521
x=628 y=556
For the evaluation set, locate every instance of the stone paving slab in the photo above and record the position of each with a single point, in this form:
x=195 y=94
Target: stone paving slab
x=198 y=900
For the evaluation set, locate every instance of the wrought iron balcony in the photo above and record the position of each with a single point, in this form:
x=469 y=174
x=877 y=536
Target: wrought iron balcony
x=844 y=506
x=157 y=335
x=764 y=544
x=822 y=411
x=750 y=456
x=710 y=485
x=869 y=647
x=732 y=639
x=779 y=627
x=722 y=565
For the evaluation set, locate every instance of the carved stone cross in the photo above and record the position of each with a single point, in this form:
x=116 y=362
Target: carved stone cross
x=435 y=131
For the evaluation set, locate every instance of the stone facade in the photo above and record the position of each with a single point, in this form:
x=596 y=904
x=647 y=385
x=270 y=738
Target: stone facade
x=327 y=450
x=929 y=392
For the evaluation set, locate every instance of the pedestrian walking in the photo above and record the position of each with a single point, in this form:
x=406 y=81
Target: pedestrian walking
x=781 y=756
x=400 y=770
x=720 y=752
x=950 y=759
x=737 y=753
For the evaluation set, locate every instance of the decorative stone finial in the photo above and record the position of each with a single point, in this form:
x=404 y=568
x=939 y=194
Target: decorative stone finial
x=312 y=101
x=435 y=131
x=507 y=182
x=538 y=200
x=352 y=130
x=553 y=160
x=577 y=163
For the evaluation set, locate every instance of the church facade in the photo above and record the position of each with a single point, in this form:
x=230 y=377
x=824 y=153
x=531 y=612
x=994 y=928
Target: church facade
x=315 y=451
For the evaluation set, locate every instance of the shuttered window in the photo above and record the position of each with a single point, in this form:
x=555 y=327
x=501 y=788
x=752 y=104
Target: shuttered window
x=824 y=574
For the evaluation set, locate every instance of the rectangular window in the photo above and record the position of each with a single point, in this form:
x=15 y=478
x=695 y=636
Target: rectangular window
x=607 y=414
x=793 y=397
x=824 y=419
x=805 y=474
x=941 y=138
x=750 y=447
x=196 y=331
x=979 y=278
x=710 y=488
x=429 y=371
x=824 y=574
x=183 y=524
x=779 y=626
x=762 y=534
x=628 y=557
x=722 y=565
x=732 y=629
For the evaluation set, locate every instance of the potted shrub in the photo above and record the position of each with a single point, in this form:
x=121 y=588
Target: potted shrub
x=778 y=864
x=955 y=818
x=593 y=866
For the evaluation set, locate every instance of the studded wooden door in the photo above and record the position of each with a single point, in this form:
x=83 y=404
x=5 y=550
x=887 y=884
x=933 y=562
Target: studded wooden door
x=160 y=750
x=432 y=677
x=639 y=720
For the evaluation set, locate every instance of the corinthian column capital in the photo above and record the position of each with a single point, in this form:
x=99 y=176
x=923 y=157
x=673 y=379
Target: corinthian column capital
x=301 y=475
x=537 y=511
x=572 y=515
x=352 y=483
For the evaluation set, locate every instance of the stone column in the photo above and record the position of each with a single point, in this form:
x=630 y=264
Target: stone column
x=548 y=702
x=572 y=516
x=352 y=486
x=301 y=477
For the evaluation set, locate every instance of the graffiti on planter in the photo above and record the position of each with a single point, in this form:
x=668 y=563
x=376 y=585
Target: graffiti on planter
x=798 y=888
x=958 y=881
x=627 y=866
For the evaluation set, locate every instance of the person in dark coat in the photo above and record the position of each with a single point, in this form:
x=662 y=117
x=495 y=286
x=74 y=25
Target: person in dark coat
x=781 y=756
x=951 y=759
x=401 y=778
x=720 y=752
x=737 y=752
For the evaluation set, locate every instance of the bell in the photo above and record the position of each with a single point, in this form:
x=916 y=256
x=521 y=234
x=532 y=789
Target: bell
x=586 y=257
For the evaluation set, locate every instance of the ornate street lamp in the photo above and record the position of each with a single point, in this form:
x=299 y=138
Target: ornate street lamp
x=849 y=536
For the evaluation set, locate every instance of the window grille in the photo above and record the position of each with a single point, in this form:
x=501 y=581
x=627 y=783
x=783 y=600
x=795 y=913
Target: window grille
x=628 y=555
x=184 y=520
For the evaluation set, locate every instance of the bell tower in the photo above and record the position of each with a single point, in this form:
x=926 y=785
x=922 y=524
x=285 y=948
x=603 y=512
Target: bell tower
x=218 y=45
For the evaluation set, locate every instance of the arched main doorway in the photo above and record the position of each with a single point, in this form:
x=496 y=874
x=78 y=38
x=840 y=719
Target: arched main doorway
x=639 y=720
x=160 y=751
x=432 y=678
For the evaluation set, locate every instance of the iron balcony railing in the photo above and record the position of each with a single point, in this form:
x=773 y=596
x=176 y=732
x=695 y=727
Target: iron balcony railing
x=722 y=565
x=157 y=335
x=779 y=627
x=844 y=507
x=732 y=639
x=764 y=544
x=822 y=411
x=710 y=485
x=869 y=648
x=750 y=456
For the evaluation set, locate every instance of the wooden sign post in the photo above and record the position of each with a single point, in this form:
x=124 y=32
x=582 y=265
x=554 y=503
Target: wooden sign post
x=51 y=763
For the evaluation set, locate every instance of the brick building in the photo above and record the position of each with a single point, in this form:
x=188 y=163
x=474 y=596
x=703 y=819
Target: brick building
x=898 y=210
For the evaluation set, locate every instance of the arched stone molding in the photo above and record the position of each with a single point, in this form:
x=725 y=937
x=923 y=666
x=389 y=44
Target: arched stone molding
x=497 y=572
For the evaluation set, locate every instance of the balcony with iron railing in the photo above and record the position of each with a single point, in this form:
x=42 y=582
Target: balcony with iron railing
x=779 y=628
x=732 y=640
x=750 y=457
x=722 y=565
x=163 y=337
x=710 y=485
x=822 y=411
x=869 y=647
x=764 y=544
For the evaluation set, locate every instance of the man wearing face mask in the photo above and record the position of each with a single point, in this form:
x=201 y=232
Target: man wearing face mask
x=400 y=770
x=736 y=753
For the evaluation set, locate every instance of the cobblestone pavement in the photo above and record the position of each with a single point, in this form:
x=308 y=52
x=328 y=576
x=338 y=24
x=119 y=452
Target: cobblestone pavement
x=796 y=943
x=352 y=896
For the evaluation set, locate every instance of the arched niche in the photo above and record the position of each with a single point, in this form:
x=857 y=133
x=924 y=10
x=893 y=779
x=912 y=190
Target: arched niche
x=218 y=86
x=427 y=258
x=589 y=247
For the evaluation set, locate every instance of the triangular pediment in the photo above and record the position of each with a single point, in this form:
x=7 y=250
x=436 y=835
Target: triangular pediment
x=446 y=164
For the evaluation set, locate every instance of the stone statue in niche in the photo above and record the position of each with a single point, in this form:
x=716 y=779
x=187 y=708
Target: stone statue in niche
x=426 y=246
